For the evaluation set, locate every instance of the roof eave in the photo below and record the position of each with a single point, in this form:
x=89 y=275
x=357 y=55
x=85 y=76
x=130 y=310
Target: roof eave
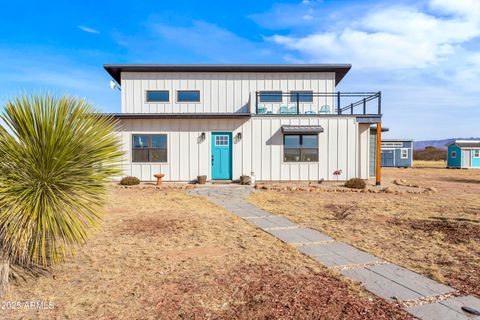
x=115 y=70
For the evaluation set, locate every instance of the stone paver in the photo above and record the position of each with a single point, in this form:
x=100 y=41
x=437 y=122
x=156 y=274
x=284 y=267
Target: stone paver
x=447 y=309
x=300 y=235
x=264 y=223
x=386 y=280
x=273 y=222
x=336 y=254
x=414 y=281
x=381 y=286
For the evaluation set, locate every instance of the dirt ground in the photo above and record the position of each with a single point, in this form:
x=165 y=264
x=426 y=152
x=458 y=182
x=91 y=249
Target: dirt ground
x=435 y=233
x=429 y=164
x=162 y=254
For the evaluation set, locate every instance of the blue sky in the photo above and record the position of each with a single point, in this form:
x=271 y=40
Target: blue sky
x=423 y=55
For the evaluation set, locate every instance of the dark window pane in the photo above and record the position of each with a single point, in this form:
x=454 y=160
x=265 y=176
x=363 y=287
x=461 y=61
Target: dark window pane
x=270 y=96
x=157 y=96
x=300 y=148
x=292 y=141
x=140 y=155
x=291 y=155
x=159 y=141
x=303 y=96
x=140 y=141
x=149 y=148
x=188 y=96
x=310 y=141
x=158 y=155
x=310 y=155
x=222 y=140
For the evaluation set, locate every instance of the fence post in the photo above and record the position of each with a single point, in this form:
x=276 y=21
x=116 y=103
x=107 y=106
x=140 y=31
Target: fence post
x=298 y=103
x=339 y=111
x=364 y=106
x=378 y=155
x=256 y=102
x=379 y=102
x=351 y=108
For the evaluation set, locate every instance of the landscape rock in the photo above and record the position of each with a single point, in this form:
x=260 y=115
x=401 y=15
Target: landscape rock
x=388 y=190
x=431 y=189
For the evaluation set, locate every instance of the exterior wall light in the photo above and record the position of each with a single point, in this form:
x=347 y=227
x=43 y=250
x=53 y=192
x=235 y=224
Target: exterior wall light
x=201 y=137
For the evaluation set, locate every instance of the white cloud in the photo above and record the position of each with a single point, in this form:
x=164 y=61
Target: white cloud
x=393 y=37
x=424 y=58
x=461 y=7
x=88 y=29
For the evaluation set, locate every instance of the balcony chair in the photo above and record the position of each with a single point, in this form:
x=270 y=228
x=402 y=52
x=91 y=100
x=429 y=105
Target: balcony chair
x=292 y=110
x=324 y=109
x=261 y=110
x=283 y=110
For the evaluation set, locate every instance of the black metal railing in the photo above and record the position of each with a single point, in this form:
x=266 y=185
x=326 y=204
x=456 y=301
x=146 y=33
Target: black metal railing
x=311 y=103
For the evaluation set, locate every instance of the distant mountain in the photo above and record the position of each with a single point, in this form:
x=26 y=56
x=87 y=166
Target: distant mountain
x=439 y=144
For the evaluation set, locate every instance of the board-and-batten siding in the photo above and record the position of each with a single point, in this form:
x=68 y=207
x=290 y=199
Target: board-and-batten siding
x=221 y=92
x=343 y=145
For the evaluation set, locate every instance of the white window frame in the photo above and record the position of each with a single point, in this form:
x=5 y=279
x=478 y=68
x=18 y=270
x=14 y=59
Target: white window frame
x=402 y=155
x=156 y=102
x=222 y=140
x=265 y=93
x=391 y=144
x=135 y=133
x=190 y=101
x=453 y=154
x=292 y=96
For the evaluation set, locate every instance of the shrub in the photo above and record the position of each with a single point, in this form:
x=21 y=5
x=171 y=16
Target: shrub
x=129 y=181
x=57 y=157
x=356 y=183
x=430 y=154
x=342 y=212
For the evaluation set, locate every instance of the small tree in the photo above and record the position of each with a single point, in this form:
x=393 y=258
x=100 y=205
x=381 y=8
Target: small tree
x=56 y=159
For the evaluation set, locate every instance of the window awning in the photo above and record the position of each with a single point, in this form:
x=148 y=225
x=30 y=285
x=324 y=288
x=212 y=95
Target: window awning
x=302 y=129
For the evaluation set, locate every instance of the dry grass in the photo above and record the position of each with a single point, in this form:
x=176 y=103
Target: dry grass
x=166 y=255
x=430 y=164
x=436 y=234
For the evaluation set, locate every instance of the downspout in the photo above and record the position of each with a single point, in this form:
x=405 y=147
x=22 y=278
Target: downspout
x=378 y=155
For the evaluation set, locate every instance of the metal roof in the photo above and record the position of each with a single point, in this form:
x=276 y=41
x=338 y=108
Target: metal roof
x=397 y=140
x=115 y=70
x=384 y=129
x=466 y=143
x=302 y=129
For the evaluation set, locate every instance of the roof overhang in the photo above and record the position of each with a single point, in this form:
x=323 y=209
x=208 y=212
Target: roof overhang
x=368 y=118
x=397 y=140
x=115 y=70
x=466 y=143
x=178 y=115
x=302 y=129
x=384 y=129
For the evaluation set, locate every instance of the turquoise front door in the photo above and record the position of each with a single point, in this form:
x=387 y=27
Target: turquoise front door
x=221 y=155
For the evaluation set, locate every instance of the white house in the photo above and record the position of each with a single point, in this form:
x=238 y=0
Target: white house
x=279 y=122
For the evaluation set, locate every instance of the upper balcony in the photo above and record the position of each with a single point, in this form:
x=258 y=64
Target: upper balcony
x=316 y=103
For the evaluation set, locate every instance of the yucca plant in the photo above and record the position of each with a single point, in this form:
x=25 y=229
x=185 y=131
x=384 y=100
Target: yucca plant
x=56 y=158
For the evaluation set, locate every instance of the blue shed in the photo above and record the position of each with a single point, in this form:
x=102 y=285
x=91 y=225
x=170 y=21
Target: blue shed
x=397 y=153
x=464 y=154
x=373 y=149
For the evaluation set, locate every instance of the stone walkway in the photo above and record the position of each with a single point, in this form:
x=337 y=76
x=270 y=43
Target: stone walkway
x=421 y=296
